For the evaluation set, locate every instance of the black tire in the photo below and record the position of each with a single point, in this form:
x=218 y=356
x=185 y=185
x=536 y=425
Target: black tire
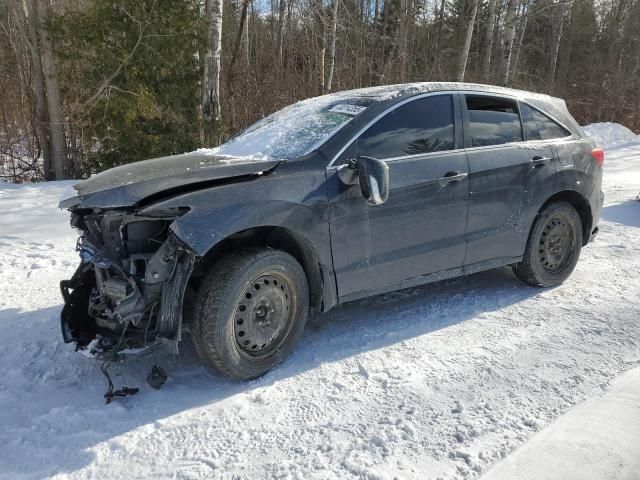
x=553 y=247
x=251 y=311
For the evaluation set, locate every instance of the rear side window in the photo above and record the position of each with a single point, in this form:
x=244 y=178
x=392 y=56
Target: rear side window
x=493 y=121
x=547 y=129
x=420 y=126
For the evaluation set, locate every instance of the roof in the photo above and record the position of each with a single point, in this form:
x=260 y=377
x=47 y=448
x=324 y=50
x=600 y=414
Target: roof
x=552 y=105
x=387 y=92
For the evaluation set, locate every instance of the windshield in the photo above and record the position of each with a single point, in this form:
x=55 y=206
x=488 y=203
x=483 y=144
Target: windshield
x=295 y=130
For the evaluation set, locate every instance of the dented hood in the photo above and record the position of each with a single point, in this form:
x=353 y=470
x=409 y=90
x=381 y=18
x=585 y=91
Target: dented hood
x=141 y=182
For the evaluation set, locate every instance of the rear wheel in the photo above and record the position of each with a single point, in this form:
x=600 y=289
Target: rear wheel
x=251 y=310
x=553 y=247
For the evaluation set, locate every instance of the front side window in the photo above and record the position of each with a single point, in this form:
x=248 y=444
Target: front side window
x=424 y=125
x=547 y=128
x=493 y=121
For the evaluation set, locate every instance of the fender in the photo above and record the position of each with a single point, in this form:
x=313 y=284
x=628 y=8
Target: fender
x=216 y=213
x=573 y=171
x=563 y=182
x=289 y=198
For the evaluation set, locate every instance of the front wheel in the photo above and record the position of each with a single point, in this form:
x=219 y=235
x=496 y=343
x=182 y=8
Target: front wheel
x=553 y=247
x=251 y=310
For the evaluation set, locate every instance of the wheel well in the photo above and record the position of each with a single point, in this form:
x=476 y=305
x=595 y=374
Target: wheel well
x=274 y=237
x=582 y=207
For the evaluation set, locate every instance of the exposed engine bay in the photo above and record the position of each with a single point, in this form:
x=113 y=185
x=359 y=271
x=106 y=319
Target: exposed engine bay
x=126 y=296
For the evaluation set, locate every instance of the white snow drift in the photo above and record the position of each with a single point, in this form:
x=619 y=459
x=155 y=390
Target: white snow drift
x=439 y=381
x=609 y=135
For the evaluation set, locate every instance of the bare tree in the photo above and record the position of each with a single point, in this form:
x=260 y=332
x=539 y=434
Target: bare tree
x=508 y=36
x=524 y=17
x=565 y=54
x=615 y=19
x=332 y=53
x=464 y=53
x=245 y=39
x=211 y=77
x=557 y=24
x=488 y=40
x=38 y=13
x=280 y=41
x=403 y=33
x=237 y=42
x=29 y=33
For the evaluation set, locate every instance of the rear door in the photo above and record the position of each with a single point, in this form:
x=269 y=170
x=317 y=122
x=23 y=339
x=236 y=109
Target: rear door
x=421 y=227
x=504 y=166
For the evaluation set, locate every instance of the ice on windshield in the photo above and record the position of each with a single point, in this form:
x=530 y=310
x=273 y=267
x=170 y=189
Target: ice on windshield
x=295 y=130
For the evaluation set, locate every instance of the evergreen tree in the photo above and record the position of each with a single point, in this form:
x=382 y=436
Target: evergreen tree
x=137 y=65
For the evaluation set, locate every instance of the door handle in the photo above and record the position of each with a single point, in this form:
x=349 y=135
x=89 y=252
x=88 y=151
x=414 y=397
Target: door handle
x=452 y=177
x=539 y=161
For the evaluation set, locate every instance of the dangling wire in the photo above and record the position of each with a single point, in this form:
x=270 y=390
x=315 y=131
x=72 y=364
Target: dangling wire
x=104 y=368
x=111 y=394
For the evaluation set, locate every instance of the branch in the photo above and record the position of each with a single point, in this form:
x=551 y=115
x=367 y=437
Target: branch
x=108 y=81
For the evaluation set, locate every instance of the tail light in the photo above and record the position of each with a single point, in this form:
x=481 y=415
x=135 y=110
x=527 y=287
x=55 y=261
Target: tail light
x=598 y=155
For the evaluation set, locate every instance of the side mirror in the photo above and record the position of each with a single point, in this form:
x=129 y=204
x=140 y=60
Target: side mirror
x=374 y=180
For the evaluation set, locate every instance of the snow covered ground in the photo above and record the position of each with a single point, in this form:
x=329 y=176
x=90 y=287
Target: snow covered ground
x=440 y=381
x=596 y=440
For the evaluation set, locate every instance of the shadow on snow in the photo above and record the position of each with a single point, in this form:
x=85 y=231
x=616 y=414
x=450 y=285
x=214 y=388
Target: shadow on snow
x=68 y=409
x=625 y=213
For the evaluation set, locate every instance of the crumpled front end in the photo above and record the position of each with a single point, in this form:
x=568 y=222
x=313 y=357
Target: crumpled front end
x=126 y=296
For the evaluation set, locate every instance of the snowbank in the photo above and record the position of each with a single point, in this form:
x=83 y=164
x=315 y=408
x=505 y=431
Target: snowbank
x=597 y=439
x=611 y=135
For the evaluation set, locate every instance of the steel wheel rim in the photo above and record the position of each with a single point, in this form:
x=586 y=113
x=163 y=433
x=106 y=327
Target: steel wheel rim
x=556 y=244
x=264 y=314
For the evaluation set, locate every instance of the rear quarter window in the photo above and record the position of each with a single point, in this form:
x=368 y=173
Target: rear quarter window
x=539 y=126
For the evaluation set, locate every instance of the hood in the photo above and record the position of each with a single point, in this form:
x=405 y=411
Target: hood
x=134 y=183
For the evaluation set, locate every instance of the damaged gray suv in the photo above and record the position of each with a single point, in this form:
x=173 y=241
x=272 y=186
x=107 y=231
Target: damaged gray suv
x=332 y=199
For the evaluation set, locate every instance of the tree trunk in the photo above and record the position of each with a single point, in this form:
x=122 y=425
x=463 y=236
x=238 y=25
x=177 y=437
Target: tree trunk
x=319 y=46
x=320 y=72
x=558 y=22
x=236 y=45
x=616 y=16
x=211 y=114
x=464 y=54
x=334 y=31
x=54 y=107
x=403 y=40
x=507 y=41
x=523 y=28
x=435 y=57
x=488 y=41
x=245 y=41
x=379 y=59
x=26 y=22
x=565 y=55
x=280 y=41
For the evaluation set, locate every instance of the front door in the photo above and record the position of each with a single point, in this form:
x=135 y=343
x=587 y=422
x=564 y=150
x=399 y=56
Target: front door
x=421 y=227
